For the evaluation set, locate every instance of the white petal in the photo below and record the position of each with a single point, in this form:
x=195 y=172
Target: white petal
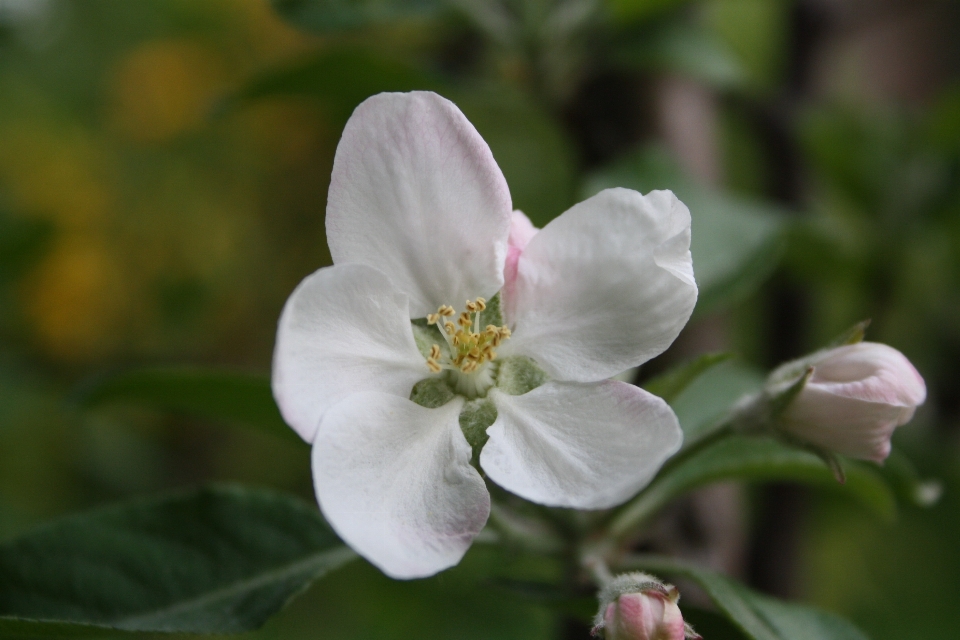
x=587 y=446
x=606 y=286
x=344 y=329
x=416 y=193
x=395 y=482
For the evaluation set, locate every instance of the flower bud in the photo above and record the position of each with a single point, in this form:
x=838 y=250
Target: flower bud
x=638 y=607
x=855 y=397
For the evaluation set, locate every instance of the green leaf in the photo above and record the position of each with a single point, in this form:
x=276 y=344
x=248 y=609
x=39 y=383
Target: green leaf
x=549 y=595
x=217 y=560
x=22 y=242
x=331 y=16
x=339 y=79
x=672 y=383
x=626 y=12
x=753 y=459
x=736 y=243
x=682 y=48
x=759 y=617
x=229 y=396
x=711 y=625
x=705 y=402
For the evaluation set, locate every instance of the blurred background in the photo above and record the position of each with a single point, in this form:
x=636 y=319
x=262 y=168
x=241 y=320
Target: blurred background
x=163 y=175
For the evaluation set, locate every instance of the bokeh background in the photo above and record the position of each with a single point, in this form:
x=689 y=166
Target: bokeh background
x=163 y=174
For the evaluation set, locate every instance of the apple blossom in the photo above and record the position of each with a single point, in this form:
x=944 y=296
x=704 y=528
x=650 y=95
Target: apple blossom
x=449 y=326
x=854 y=398
x=636 y=606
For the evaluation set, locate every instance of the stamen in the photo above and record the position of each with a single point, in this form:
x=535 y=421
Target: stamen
x=470 y=348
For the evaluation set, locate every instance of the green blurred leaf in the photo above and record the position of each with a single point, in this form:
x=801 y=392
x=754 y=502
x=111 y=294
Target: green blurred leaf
x=672 y=383
x=753 y=459
x=229 y=396
x=711 y=625
x=339 y=78
x=906 y=481
x=331 y=16
x=736 y=243
x=626 y=12
x=22 y=242
x=756 y=32
x=217 y=560
x=685 y=49
x=549 y=595
x=532 y=150
x=707 y=399
x=759 y=617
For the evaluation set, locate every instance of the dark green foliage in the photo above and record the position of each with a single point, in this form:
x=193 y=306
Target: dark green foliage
x=220 y=394
x=216 y=560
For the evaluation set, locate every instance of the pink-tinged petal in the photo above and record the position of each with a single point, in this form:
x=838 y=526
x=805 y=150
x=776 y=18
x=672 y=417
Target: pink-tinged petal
x=857 y=396
x=586 y=446
x=647 y=615
x=521 y=232
x=416 y=193
x=395 y=482
x=604 y=287
x=344 y=329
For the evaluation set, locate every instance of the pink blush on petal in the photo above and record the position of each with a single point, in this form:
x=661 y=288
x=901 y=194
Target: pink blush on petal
x=521 y=232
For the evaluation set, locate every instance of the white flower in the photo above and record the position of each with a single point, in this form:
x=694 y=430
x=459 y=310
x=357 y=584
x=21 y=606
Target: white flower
x=858 y=394
x=419 y=219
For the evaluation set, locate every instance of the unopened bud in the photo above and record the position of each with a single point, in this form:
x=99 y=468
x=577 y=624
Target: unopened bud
x=855 y=397
x=636 y=606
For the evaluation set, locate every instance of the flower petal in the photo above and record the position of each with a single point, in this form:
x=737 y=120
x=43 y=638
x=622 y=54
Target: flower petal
x=606 y=286
x=586 y=446
x=395 y=482
x=853 y=427
x=344 y=329
x=416 y=193
x=521 y=232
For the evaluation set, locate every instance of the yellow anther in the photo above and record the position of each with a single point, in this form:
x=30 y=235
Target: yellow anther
x=470 y=346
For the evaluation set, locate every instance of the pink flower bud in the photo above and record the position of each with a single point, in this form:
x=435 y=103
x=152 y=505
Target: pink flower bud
x=647 y=615
x=636 y=606
x=858 y=394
